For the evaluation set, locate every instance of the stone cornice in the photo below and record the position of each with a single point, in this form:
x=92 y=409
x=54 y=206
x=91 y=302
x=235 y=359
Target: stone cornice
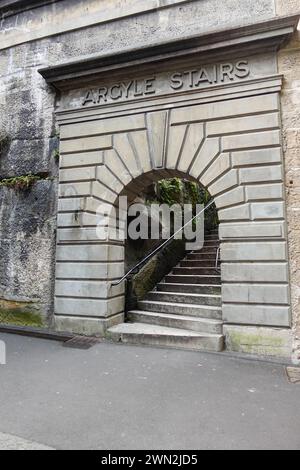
x=255 y=38
x=12 y=7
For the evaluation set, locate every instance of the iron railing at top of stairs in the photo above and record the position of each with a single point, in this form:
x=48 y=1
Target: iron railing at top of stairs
x=141 y=263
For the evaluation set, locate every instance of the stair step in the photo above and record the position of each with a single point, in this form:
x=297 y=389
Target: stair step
x=202 y=311
x=185 y=279
x=212 y=250
x=201 y=256
x=197 y=299
x=189 y=288
x=204 y=263
x=153 y=335
x=201 y=325
x=196 y=271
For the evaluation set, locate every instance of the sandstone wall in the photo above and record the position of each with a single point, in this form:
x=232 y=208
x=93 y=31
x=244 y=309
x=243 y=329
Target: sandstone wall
x=289 y=65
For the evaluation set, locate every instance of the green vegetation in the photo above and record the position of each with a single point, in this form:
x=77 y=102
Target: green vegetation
x=20 y=318
x=56 y=154
x=21 y=182
x=177 y=191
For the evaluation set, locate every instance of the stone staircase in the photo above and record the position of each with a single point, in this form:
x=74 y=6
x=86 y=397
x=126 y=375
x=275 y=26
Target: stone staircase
x=184 y=311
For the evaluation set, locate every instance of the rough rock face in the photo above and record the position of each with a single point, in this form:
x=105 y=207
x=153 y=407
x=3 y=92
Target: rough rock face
x=27 y=249
x=289 y=65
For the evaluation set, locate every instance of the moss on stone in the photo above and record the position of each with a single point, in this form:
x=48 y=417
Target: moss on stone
x=19 y=318
x=252 y=343
x=20 y=313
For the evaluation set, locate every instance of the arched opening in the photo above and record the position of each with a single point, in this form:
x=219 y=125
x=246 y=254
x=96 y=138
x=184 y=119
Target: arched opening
x=182 y=279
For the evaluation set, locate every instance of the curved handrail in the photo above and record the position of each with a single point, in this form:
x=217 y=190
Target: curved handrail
x=159 y=248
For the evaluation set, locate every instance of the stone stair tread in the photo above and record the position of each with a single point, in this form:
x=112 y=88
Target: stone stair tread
x=200 y=320
x=188 y=276
x=147 y=329
x=177 y=284
x=177 y=304
x=187 y=294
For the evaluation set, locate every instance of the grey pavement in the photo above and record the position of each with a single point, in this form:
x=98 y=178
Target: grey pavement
x=128 y=397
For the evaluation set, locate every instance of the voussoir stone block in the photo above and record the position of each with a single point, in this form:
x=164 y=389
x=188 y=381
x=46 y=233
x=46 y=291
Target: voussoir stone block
x=216 y=169
x=193 y=140
x=77 y=174
x=256 y=157
x=81 y=159
x=75 y=189
x=226 y=182
x=241 y=212
x=103 y=126
x=261 y=174
x=230 y=198
x=265 y=191
x=262 y=139
x=243 y=124
x=84 y=144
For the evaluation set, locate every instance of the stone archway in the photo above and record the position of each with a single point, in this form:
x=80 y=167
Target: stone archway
x=232 y=147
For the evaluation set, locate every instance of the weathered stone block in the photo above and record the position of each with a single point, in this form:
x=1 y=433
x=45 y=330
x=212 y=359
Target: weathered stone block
x=216 y=169
x=254 y=251
x=262 y=139
x=256 y=157
x=100 y=271
x=272 y=210
x=230 y=198
x=261 y=174
x=258 y=341
x=252 y=230
x=81 y=159
x=84 y=144
x=266 y=191
x=88 y=307
x=243 y=124
x=254 y=272
x=87 y=289
x=255 y=293
x=235 y=213
x=89 y=253
x=256 y=314
x=86 y=326
x=104 y=126
x=227 y=181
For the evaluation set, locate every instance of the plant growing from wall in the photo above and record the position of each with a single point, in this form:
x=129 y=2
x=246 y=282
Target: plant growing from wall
x=23 y=182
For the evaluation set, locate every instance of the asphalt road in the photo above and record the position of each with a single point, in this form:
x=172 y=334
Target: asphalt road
x=128 y=397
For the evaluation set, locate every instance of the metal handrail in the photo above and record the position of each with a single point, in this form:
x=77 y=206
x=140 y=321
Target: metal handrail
x=159 y=248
